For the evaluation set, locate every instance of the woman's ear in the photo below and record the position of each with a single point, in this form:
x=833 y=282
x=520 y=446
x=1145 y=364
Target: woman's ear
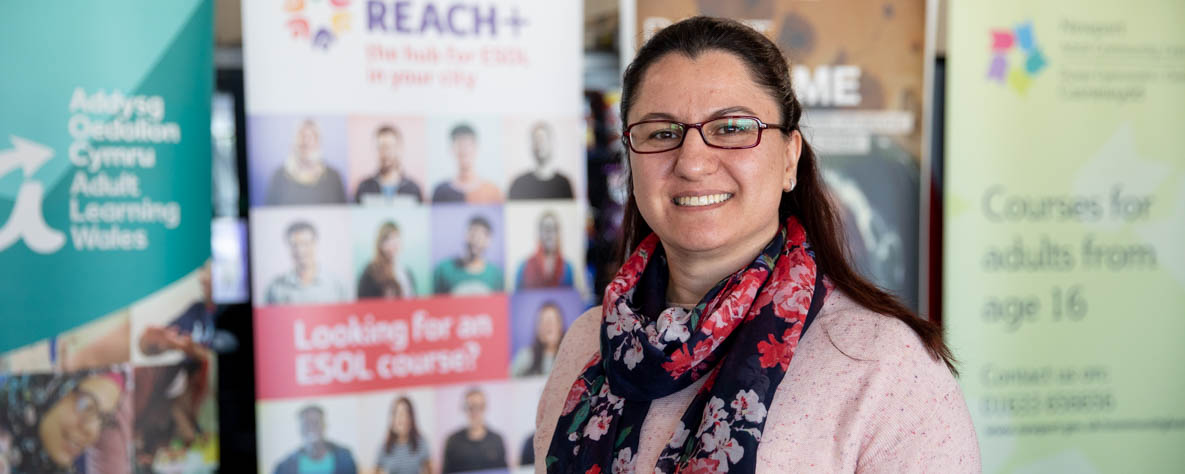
x=793 y=151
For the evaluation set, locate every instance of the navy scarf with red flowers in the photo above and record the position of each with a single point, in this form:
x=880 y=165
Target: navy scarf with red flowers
x=741 y=336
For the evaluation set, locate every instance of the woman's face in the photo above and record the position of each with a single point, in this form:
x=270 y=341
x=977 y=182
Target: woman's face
x=752 y=180
x=308 y=139
x=75 y=422
x=550 y=328
x=401 y=419
x=549 y=233
x=391 y=244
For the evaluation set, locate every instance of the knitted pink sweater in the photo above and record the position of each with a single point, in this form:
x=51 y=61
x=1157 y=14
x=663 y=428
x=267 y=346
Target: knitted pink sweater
x=861 y=395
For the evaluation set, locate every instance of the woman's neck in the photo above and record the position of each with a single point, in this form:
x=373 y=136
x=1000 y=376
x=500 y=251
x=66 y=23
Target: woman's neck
x=693 y=273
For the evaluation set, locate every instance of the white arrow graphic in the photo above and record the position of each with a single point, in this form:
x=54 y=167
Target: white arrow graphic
x=24 y=153
x=26 y=221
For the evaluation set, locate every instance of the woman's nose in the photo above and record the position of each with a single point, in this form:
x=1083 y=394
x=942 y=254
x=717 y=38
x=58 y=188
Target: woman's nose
x=695 y=158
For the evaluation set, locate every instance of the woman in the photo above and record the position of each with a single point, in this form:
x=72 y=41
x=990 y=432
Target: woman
x=384 y=277
x=47 y=422
x=305 y=178
x=696 y=360
x=404 y=451
x=538 y=358
x=546 y=268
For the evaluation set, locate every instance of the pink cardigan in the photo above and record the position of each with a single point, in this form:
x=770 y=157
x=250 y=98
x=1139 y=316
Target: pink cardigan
x=861 y=395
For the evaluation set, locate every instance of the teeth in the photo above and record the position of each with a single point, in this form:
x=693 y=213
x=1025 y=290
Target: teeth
x=703 y=200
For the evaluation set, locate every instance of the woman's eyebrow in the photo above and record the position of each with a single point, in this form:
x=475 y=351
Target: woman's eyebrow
x=718 y=113
x=732 y=110
x=657 y=116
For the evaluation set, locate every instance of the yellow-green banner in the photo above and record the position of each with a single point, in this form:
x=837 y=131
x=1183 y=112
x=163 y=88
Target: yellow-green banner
x=1064 y=266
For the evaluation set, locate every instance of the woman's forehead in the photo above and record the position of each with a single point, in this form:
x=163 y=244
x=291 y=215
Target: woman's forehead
x=694 y=89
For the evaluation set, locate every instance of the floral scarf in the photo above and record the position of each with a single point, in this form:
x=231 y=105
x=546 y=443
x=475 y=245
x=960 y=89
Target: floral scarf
x=741 y=336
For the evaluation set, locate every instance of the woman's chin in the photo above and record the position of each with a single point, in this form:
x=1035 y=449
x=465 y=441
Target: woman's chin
x=696 y=242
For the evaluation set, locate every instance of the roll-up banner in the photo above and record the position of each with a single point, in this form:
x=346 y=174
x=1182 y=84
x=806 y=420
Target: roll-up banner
x=417 y=186
x=858 y=69
x=1065 y=217
x=107 y=315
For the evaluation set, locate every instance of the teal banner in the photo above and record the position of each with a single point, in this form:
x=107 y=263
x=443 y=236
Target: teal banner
x=107 y=316
x=104 y=158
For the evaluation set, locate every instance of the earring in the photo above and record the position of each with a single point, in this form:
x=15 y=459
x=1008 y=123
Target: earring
x=791 y=187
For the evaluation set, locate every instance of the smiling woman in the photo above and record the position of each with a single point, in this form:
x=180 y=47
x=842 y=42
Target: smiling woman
x=700 y=358
x=48 y=421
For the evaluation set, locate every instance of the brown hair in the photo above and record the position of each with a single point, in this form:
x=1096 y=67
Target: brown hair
x=810 y=200
x=537 y=347
x=382 y=266
x=413 y=434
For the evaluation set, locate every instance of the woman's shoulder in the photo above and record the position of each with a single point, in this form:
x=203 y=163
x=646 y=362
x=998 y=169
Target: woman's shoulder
x=888 y=400
x=863 y=334
x=874 y=349
x=580 y=342
x=582 y=338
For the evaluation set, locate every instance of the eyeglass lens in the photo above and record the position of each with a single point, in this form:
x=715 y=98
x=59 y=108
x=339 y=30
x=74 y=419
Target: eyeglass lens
x=728 y=132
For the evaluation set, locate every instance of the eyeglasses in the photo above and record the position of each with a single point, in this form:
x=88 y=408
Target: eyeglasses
x=729 y=133
x=86 y=406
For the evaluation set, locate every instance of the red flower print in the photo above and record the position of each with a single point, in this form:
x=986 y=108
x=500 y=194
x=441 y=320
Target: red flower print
x=681 y=361
x=574 y=396
x=703 y=348
x=734 y=307
x=796 y=235
x=791 y=289
x=593 y=470
x=778 y=284
x=775 y=352
x=596 y=359
x=702 y=466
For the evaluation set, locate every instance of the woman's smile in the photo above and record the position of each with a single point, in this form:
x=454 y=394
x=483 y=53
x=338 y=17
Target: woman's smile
x=701 y=200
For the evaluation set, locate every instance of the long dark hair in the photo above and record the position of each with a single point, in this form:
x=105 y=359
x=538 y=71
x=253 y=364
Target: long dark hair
x=413 y=434
x=810 y=200
x=537 y=348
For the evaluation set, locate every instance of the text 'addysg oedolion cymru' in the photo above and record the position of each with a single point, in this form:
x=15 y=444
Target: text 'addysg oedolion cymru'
x=116 y=139
x=1060 y=250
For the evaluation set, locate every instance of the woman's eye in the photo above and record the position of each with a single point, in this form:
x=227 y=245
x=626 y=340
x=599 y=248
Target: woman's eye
x=732 y=128
x=664 y=135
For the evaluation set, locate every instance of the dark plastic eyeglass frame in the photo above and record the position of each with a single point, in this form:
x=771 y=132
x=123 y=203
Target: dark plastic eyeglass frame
x=761 y=126
x=105 y=419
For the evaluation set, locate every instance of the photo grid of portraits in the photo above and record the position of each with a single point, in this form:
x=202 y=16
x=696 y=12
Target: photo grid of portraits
x=359 y=211
x=132 y=391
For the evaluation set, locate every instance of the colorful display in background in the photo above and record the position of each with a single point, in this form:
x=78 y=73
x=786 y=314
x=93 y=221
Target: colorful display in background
x=1019 y=72
x=417 y=227
x=858 y=70
x=1065 y=213
x=107 y=318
